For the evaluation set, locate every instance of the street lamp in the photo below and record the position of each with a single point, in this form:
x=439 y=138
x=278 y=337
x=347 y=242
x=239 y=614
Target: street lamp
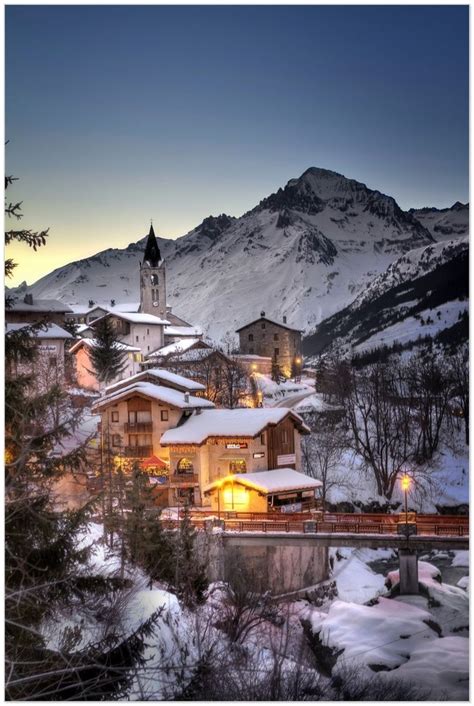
x=405 y=483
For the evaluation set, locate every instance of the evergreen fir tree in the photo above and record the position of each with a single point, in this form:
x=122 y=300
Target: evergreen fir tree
x=44 y=569
x=108 y=356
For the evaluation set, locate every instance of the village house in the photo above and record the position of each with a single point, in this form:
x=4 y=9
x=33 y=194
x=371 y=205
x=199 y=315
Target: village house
x=50 y=365
x=270 y=339
x=31 y=310
x=212 y=444
x=136 y=412
x=87 y=314
x=225 y=380
x=284 y=490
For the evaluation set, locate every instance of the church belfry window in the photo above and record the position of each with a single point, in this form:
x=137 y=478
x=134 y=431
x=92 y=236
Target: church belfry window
x=154 y=279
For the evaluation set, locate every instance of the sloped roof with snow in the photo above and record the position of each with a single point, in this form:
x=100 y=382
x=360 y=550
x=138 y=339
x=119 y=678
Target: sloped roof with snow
x=270 y=321
x=92 y=342
x=139 y=318
x=183 y=331
x=278 y=480
x=228 y=423
x=41 y=305
x=159 y=375
x=175 y=398
x=52 y=331
x=173 y=348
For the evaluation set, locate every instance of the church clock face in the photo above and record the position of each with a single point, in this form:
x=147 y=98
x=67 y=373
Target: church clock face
x=155 y=303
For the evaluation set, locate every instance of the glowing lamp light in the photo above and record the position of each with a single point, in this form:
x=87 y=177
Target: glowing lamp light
x=254 y=366
x=405 y=482
x=298 y=360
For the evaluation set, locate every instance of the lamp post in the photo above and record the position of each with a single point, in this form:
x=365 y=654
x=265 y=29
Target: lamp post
x=406 y=481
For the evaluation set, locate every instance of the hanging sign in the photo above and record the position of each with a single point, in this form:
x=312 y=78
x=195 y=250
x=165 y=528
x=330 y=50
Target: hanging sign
x=285 y=459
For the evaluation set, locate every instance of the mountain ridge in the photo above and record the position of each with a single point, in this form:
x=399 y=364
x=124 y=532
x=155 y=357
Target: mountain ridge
x=304 y=251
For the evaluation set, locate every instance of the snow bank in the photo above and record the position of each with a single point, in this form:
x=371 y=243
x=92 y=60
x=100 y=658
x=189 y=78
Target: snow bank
x=355 y=581
x=461 y=558
x=383 y=634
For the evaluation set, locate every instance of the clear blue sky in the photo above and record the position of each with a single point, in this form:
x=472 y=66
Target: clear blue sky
x=116 y=114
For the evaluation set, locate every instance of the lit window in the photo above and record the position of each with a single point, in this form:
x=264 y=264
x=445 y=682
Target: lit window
x=238 y=465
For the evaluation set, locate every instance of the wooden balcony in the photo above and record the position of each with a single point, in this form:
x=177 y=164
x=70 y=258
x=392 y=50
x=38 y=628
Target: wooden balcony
x=184 y=479
x=138 y=451
x=138 y=428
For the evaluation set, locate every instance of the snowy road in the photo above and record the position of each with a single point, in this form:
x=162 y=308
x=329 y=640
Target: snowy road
x=290 y=402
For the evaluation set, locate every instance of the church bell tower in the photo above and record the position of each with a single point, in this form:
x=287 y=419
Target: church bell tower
x=153 y=279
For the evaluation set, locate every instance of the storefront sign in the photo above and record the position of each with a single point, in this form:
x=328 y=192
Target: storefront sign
x=237 y=445
x=259 y=454
x=285 y=459
x=48 y=348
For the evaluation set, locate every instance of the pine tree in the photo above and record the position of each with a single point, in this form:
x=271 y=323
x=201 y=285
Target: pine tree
x=45 y=571
x=108 y=356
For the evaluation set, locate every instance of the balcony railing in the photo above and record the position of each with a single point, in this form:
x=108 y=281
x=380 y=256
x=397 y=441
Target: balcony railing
x=138 y=428
x=184 y=478
x=138 y=451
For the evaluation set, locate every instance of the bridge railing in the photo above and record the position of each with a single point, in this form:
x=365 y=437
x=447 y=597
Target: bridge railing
x=329 y=523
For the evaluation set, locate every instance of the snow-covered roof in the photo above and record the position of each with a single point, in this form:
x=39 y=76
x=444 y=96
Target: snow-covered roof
x=183 y=331
x=173 y=348
x=228 y=423
x=195 y=355
x=80 y=328
x=52 y=331
x=42 y=305
x=175 y=398
x=139 y=318
x=278 y=480
x=126 y=307
x=249 y=356
x=160 y=375
x=92 y=342
x=270 y=321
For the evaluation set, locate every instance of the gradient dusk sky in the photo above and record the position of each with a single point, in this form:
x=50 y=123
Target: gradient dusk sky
x=119 y=114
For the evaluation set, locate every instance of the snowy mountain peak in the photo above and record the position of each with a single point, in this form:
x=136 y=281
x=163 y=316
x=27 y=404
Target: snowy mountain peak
x=305 y=251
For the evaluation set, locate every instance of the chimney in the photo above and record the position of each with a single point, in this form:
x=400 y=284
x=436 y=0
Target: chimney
x=28 y=299
x=284 y=319
x=186 y=397
x=262 y=313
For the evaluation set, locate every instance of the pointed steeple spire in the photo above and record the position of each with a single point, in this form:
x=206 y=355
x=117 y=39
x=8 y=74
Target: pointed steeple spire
x=152 y=256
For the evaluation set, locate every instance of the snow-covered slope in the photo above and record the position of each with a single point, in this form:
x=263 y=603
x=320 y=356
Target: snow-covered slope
x=423 y=293
x=444 y=223
x=305 y=252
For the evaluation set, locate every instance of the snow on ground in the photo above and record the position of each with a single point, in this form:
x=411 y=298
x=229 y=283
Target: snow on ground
x=355 y=581
x=411 y=328
x=314 y=403
x=445 y=482
x=273 y=391
x=461 y=557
